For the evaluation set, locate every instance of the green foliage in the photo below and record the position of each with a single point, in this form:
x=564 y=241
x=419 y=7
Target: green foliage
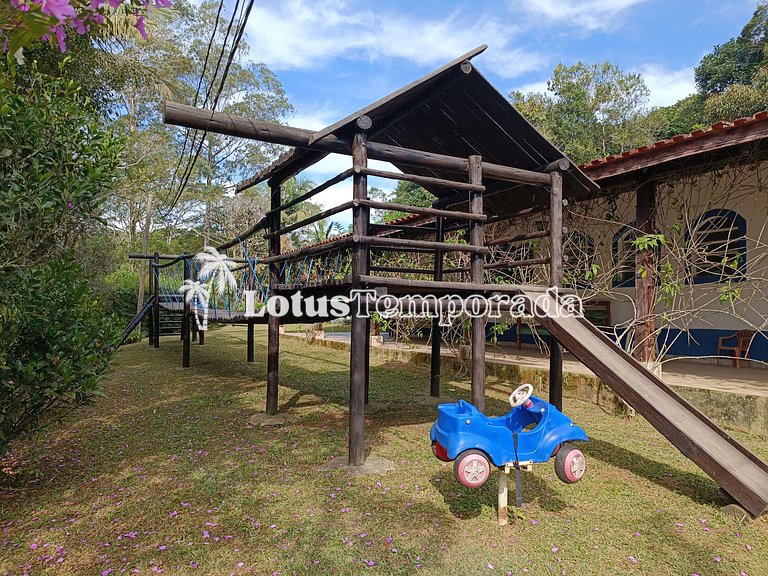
x=736 y=101
x=682 y=117
x=410 y=194
x=591 y=110
x=56 y=164
x=54 y=345
x=738 y=60
x=734 y=77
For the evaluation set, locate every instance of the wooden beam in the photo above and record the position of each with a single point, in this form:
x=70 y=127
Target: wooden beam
x=451 y=214
x=359 y=333
x=437 y=330
x=394 y=269
x=477 y=259
x=645 y=276
x=556 y=280
x=459 y=287
x=185 y=331
x=311 y=220
x=309 y=250
x=273 y=322
x=424 y=180
x=156 y=307
x=395 y=243
x=223 y=123
x=518 y=238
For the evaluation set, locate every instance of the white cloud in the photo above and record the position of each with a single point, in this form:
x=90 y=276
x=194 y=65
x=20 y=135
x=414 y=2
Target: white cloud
x=540 y=86
x=589 y=15
x=299 y=34
x=667 y=86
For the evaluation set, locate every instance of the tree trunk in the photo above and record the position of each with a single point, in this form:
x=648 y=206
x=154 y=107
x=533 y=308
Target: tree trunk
x=144 y=250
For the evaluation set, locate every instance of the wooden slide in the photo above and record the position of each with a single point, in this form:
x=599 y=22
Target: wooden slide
x=731 y=465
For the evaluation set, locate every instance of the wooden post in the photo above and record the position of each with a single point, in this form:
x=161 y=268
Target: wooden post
x=367 y=360
x=185 y=320
x=503 y=498
x=250 y=341
x=645 y=276
x=360 y=334
x=151 y=316
x=437 y=330
x=556 y=280
x=273 y=322
x=476 y=264
x=156 y=308
x=193 y=320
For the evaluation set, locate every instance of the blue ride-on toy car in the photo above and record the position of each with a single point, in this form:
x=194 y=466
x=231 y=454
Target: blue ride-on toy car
x=533 y=431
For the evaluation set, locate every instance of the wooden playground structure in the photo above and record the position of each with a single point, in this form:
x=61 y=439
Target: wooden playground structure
x=459 y=138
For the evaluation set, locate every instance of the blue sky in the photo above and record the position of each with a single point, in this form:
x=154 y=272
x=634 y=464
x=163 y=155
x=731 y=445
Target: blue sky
x=334 y=57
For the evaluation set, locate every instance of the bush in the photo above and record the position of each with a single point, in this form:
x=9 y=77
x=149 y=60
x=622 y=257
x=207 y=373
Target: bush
x=55 y=345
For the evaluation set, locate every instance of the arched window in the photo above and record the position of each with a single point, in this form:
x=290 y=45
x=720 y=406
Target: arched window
x=579 y=250
x=717 y=247
x=624 y=257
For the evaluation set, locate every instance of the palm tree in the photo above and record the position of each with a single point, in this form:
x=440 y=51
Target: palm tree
x=218 y=268
x=196 y=293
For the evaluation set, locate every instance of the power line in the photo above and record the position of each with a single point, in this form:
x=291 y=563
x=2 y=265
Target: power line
x=240 y=30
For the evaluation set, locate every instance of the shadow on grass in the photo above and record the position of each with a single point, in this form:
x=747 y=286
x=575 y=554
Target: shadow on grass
x=468 y=502
x=698 y=488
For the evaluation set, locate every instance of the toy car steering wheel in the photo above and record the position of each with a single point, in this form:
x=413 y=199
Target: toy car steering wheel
x=520 y=395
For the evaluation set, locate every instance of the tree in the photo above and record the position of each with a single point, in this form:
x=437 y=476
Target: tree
x=738 y=60
x=249 y=90
x=590 y=111
x=734 y=77
x=57 y=163
x=408 y=193
x=682 y=117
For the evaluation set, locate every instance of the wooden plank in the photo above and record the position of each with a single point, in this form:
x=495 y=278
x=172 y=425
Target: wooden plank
x=395 y=243
x=518 y=238
x=314 y=192
x=459 y=287
x=736 y=469
x=309 y=250
x=425 y=180
x=451 y=214
x=397 y=270
x=311 y=220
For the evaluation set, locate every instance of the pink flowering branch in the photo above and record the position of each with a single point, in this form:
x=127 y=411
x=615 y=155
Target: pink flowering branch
x=23 y=22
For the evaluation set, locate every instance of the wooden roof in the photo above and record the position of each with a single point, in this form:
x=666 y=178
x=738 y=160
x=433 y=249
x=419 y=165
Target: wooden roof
x=453 y=111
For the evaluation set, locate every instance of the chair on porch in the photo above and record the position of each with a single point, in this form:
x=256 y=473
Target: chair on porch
x=742 y=340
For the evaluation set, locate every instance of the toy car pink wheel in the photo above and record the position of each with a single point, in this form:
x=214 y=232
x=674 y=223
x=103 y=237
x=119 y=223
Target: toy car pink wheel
x=570 y=464
x=472 y=468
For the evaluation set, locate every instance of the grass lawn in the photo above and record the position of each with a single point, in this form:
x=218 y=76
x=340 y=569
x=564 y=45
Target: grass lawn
x=164 y=475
